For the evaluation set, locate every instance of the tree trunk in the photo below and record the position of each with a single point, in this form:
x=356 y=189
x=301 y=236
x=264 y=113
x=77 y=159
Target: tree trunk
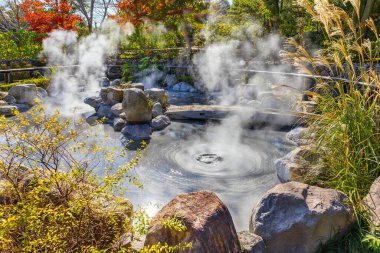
x=276 y=16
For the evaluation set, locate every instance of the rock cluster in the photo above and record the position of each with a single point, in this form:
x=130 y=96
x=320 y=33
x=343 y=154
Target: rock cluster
x=131 y=110
x=20 y=97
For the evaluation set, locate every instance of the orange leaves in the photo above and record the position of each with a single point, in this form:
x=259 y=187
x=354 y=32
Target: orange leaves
x=43 y=16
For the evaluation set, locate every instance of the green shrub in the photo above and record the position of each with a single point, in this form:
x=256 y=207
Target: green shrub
x=346 y=124
x=42 y=82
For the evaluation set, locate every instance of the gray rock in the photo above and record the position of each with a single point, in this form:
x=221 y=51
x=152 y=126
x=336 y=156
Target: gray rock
x=22 y=107
x=138 y=86
x=123 y=116
x=24 y=93
x=118 y=124
x=92 y=120
x=251 y=243
x=136 y=106
x=299 y=136
x=157 y=95
x=157 y=110
x=372 y=202
x=137 y=132
x=115 y=82
x=41 y=93
x=9 y=99
x=111 y=95
x=117 y=109
x=170 y=80
x=8 y=110
x=160 y=123
x=104 y=111
x=295 y=217
x=93 y=102
x=104 y=82
x=298 y=164
x=3 y=94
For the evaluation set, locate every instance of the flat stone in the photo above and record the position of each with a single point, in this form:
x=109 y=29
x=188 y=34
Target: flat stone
x=138 y=86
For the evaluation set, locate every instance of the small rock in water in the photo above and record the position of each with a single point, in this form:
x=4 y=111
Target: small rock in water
x=118 y=124
x=117 y=109
x=24 y=93
x=104 y=82
x=104 y=111
x=160 y=123
x=251 y=243
x=22 y=107
x=137 y=132
x=41 y=93
x=92 y=120
x=157 y=110
x=93 y=102
x=115 y=82
x=8 y=110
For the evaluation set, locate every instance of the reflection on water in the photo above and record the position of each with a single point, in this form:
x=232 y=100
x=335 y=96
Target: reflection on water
x=189 y=157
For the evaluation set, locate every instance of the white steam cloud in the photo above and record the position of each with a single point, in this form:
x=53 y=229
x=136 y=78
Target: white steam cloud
x=64 y=49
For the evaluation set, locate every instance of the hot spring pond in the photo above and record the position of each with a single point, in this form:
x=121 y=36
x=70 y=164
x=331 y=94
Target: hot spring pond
x=236 y=164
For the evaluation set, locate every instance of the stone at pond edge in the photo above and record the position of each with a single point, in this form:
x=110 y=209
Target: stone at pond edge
x=298 y=164
x=9 y=99
x=138 y=86
x=209 y=224
x=24 y=93
x=115 y=82
x=299 y=136
x=251 y=243
x=137 y=132
x=92 y=120
x=118 y=124
x=41 y=93
x=8 y=110
x=157 y=95
x=104 y=111
x=160 y=123
x=157 y=110
x=117 y=109
x=372 y=202
x=295 y=217
x=93 y=102
x=136 y=106
x=111 y=95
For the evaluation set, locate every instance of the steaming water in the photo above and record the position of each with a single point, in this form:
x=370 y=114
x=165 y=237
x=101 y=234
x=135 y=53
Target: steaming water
x=187 y=157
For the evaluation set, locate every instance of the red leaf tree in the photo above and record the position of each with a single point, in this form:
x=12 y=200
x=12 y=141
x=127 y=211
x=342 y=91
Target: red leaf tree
x=43 y=16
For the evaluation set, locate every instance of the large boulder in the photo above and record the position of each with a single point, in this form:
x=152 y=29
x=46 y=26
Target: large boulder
x=296 y=217
x=111 y=95
x=372 y=202
x=160 y=123
x=251 y=243
x=158 y=95
x=136 y=105
x=209 y=224
x=299 y=164
x=8 y=110
x=24 y=93
x=137 y=132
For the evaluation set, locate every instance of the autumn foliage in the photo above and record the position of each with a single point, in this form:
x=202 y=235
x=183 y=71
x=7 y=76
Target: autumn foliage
x=136 y=11
x=43 y=16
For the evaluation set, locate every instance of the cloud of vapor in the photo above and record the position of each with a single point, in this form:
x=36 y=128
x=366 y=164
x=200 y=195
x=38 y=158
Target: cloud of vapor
x=88 y=54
